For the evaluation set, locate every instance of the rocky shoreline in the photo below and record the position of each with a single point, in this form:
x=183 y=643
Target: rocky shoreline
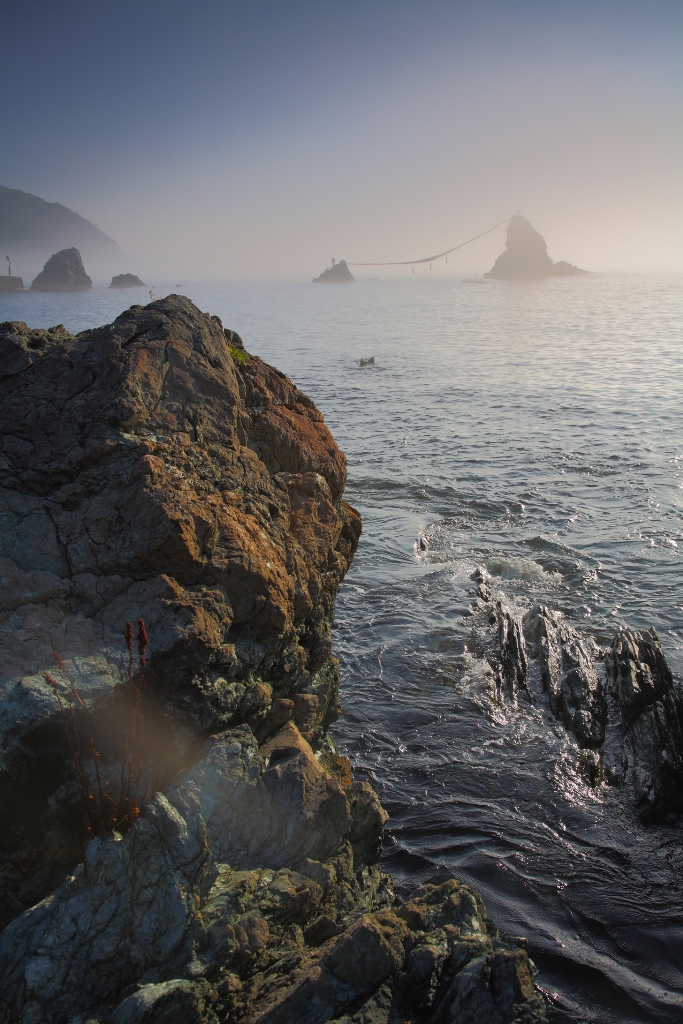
x=154 y=471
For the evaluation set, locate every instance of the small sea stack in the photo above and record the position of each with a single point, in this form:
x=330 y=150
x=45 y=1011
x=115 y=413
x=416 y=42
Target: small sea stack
x=63 y=272
x=338 y=273
x=127 y=281
x=526 y=256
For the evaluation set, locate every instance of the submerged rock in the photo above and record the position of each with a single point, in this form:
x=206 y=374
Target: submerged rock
x=526 y=255
x=63 y=272
x=338 y=273
x=127 y=281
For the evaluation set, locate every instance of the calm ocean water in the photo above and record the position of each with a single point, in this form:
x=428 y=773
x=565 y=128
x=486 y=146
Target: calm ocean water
x=537 y=430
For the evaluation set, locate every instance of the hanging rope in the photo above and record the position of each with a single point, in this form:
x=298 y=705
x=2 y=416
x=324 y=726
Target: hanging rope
x=429 y=259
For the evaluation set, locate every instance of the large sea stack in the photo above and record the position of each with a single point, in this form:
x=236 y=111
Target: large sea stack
x=155 y=473
x=63 y=272
x=526 y=255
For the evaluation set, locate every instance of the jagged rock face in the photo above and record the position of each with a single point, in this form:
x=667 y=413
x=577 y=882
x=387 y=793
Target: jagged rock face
x=127 y=912
x=526 y=255
x=621 y=703
x=566 y=661
x=152 y=468
x=650 y=746
x=63 y=272
x=127 y=281
x=20 y=345
x=152 y=927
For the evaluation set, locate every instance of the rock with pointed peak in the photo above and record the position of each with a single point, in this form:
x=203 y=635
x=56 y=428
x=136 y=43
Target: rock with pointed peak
x=63 y=272
x=526 y=255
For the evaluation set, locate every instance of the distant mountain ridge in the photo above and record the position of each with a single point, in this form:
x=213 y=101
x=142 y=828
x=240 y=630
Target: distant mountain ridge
x=32 y=230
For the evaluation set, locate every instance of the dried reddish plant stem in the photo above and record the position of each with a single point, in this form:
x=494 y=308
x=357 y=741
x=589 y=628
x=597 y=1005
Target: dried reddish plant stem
x=107 y=815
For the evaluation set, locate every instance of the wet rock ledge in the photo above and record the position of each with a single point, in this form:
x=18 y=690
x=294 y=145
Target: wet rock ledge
x=153 y=470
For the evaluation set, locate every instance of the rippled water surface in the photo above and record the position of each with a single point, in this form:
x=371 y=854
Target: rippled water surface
x=536 y=430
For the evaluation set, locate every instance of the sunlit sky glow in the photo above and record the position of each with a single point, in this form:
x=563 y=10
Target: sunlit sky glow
x=222 y=140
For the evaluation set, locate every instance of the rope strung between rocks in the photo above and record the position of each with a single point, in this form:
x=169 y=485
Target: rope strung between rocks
x=428 y=259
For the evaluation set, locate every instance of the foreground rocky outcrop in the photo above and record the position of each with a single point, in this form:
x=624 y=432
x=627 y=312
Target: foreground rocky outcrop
x=152 y=469
x=151 y=927
x=63 y=272
x=526 y=255
x=620 y=702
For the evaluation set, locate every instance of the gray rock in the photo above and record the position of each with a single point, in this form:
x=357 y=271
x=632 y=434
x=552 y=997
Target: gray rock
x=127 y=914
x=621 y=704
x=171 y=1002
x=63 y=272
x=274 y=806
x=651 y=735
x=20 y=345
x=127 y=281
x=526 y=255
x=567 y=662
x=131 y=487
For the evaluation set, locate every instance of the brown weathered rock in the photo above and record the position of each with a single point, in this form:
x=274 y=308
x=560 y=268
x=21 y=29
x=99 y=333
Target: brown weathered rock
x=152 y=469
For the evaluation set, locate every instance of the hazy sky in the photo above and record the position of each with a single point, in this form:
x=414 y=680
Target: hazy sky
x=227 y=139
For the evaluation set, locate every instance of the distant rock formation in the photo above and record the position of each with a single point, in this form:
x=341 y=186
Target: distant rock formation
x=63 y=272
x=11 y=284
x=526 y=256
x=338 y=273
x=31 y=228
x=127 y=281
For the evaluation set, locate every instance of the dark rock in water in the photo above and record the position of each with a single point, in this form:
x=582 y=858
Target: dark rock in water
x=650 y=745
x=621 y=703
x=127 y=281
x=575 y=692
x=338 y=273
x=514 y=667
x=526 y=256
x=11 y=284
x=63 y=272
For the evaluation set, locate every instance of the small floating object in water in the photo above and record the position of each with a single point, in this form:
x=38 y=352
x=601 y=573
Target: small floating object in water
x=422 y=544
x=367 y=362
x=473 y=280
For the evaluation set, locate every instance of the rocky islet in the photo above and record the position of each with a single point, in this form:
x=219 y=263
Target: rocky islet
x=63 y=272
x=526 y=255
x=127 y=281
x=153 y=469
